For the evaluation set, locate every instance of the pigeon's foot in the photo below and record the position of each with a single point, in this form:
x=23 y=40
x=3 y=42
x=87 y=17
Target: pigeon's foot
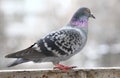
x=63 y=68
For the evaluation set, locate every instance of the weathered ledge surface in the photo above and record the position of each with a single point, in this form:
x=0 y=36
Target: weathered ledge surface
x=76 y=73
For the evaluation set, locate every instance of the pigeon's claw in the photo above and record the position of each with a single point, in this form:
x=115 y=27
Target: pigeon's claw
x=63 y=68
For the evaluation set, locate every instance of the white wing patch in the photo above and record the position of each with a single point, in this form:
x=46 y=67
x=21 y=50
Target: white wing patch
x=36 y=47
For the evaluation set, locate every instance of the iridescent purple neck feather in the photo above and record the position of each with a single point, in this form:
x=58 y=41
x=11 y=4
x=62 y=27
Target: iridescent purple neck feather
x=79 y=22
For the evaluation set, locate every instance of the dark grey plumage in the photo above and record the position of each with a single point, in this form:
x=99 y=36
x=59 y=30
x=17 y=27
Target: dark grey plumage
x=58 y=45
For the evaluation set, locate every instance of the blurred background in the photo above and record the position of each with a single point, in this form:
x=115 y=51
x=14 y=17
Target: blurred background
x=23 y=22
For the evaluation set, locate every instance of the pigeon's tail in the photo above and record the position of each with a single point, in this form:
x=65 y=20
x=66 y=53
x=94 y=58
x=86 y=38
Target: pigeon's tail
x=28 y=54
x=18 y=61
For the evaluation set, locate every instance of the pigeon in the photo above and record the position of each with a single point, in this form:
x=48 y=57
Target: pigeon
x=58 y=45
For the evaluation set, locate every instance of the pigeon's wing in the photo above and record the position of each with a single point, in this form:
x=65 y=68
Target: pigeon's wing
x=62 y=42
x=55 y=44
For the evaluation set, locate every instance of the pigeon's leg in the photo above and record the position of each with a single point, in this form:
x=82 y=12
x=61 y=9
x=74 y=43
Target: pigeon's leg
x=63 y=67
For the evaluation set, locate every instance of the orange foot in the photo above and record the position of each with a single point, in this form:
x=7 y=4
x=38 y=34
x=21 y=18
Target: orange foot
x=64 y=68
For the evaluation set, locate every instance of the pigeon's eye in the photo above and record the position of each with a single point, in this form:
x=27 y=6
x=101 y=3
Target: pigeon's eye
x=87 y=11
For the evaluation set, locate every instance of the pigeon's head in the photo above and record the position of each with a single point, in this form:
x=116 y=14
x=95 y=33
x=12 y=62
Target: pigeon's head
x=83 y=12
x=80 y=18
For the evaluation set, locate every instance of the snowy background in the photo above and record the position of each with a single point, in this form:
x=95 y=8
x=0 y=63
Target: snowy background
x=23 y=22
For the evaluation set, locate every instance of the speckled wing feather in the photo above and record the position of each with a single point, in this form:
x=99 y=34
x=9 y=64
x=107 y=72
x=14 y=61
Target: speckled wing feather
x=63 y=42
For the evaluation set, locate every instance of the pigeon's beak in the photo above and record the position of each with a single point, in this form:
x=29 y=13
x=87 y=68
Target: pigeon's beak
x=91 y=15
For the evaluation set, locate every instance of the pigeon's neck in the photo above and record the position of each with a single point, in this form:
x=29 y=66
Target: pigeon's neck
x=81 y=22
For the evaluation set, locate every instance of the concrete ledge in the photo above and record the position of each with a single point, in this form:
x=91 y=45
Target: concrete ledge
x=76 y=73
